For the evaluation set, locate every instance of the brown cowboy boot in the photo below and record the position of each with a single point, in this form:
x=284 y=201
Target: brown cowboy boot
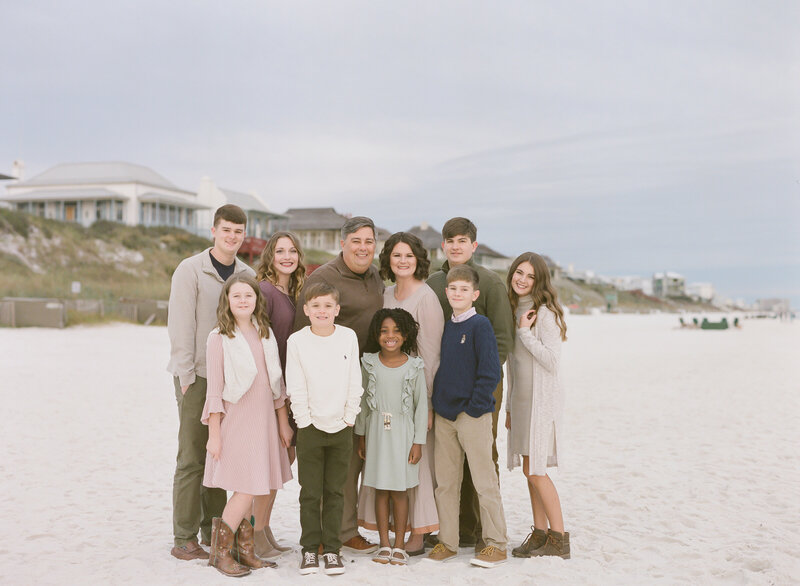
x=221 y=543
x=536 y=539
x=245 y=550
x=557 y=544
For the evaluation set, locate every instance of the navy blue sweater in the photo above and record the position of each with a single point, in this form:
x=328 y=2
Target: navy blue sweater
x=469 y=369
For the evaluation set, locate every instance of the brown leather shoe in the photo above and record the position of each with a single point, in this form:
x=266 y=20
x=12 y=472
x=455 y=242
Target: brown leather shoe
x=245 y=550
x=221 y=558
x=358 y=544
x=189 y=551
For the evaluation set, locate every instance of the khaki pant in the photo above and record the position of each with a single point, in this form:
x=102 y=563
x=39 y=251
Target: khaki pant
x=469 y=525
x=454 y=439
x=349 y=527
x=193 y=505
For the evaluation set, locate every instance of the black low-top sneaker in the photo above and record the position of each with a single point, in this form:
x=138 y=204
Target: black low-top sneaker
x=333 y=563
x=309 y=564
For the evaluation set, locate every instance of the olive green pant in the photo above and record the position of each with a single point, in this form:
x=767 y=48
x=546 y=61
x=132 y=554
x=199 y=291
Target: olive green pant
x=322 y=463
x=469 y=521
x=193 y=505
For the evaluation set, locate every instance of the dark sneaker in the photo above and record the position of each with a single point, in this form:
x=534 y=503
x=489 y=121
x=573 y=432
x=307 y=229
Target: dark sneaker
x=333 y=563
x=309 y=564
x=535 y=539
x=431 y=540
x=489 y=557
x=358 y=544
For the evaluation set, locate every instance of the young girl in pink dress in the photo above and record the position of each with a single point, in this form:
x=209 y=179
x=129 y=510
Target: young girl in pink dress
x=281 y=274
x=248 y=427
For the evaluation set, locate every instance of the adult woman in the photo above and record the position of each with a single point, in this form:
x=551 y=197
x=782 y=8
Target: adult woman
x=404 y=261
x=281 y=274
x=535 y=399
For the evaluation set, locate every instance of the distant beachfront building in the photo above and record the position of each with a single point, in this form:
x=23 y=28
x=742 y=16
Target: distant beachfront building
x=116 y=191
x=633 y=283
x=261 y=222
x=774 y=304
x=701 y=291
x=669 y=285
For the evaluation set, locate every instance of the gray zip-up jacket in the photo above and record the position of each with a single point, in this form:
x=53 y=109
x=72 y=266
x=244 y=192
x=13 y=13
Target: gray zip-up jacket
x=193 y=300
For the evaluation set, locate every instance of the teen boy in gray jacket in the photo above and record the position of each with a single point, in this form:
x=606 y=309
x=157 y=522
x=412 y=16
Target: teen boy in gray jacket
x=193 y=300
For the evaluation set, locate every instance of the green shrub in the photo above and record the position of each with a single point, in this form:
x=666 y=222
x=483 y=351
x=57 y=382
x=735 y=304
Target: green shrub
x=15 y=221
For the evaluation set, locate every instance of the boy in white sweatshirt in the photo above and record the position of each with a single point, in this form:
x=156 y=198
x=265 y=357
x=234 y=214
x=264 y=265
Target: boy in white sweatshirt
x=323 y=380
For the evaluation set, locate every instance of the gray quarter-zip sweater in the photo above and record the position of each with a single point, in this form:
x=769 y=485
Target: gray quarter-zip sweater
x=193 y=300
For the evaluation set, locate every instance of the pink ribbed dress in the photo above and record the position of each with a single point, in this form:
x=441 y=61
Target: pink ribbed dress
x=252 y=460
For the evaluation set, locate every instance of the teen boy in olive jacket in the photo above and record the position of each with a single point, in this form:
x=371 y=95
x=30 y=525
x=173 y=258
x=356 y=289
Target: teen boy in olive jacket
x=459 y=244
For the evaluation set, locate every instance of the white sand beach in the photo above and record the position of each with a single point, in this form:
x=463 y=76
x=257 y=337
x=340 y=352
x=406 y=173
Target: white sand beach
x=679 y=465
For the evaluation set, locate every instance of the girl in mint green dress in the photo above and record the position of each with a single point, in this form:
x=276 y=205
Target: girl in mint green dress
x=392 y=424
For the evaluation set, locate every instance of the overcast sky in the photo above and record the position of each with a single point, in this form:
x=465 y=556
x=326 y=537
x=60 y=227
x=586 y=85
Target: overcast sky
x=624 y=137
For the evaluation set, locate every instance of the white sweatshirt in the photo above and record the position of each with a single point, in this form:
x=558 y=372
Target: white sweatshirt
x=323 y=378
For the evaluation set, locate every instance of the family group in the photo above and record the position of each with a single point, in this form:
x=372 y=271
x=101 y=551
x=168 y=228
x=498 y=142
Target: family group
x=388 y=397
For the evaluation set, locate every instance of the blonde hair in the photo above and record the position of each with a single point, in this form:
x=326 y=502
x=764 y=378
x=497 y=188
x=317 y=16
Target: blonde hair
x=225 y=320
x=543 y=292
x=266 y=266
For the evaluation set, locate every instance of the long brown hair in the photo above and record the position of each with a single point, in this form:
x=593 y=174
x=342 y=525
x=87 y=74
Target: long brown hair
x=543 y=292
x=225 y=320
x=266 y=267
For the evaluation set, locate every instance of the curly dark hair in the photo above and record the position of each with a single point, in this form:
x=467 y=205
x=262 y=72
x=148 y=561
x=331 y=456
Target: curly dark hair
x=405 y=322
x=423 y=264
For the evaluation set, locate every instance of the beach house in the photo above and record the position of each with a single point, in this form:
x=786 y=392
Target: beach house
x=116 y=191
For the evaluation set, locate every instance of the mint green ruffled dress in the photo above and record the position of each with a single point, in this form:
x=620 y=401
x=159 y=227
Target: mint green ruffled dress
x=398 y=394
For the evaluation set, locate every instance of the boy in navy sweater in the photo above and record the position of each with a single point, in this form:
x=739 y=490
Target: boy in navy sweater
x=462 y=399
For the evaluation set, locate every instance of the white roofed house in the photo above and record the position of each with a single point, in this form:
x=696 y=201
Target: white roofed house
x=261 y=222
x=669 y=284
x=116 y=191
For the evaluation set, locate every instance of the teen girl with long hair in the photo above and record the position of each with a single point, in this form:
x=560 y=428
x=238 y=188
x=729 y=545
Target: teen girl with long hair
x=535 y=399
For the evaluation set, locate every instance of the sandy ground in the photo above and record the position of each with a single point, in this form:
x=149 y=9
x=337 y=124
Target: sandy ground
x=680 y=462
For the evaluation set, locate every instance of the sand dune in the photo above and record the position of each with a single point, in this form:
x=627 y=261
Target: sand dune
x=680 y=462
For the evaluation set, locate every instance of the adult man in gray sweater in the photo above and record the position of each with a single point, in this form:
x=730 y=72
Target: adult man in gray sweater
x=193 y=300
